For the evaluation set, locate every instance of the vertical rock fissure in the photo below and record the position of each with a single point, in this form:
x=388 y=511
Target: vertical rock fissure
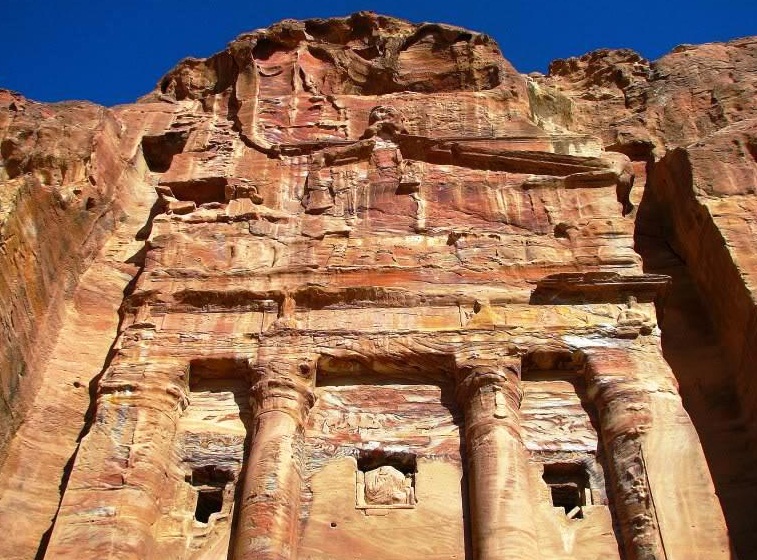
x=693 y=348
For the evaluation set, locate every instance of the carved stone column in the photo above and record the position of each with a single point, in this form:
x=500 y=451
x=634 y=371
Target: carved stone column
x=268 y=516
x=624 y=416
x=663 y=494
x=121 y=481
x=501 y=518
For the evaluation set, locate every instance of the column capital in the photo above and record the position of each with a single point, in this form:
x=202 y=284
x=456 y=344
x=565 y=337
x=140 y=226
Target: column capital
x=488 y=375
x=285 y=386
x=285 y=395
x=621 y=378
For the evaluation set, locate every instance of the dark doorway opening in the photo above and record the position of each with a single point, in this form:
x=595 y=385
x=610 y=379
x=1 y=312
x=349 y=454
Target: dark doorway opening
x=208 y=502
x=569 y=486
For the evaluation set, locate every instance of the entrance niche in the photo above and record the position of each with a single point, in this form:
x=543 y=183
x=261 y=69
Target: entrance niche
x=560 y=432
x=383 y=472
x=210 y=444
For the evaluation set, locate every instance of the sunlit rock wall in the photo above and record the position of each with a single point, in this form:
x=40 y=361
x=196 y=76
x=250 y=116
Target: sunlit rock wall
x=357 y=288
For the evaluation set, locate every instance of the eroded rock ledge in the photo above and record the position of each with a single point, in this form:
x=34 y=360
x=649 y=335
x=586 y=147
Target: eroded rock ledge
x=351 y=281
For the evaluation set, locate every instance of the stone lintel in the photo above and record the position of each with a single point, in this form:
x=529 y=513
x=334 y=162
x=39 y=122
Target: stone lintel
x=599 y=287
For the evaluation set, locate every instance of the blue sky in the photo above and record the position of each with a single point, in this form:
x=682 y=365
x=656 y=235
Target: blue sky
x=113 y=52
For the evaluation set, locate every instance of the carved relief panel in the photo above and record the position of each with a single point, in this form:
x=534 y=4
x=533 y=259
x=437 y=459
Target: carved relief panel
x=390 y=485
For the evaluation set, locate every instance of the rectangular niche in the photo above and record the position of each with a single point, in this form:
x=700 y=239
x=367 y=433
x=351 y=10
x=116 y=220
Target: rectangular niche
x=569 y=488
x=209 y=501
x=214 y=487
x=385 y=480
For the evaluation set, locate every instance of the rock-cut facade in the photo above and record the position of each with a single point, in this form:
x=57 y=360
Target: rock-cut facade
x=356 y=288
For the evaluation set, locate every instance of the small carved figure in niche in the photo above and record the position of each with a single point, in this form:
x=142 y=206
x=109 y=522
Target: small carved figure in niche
x=484 y=315
x=385 y=122
x=143 y=318
x=625 y=175
x=634 y=316
x=286 y=318
x=500 y=403
x=385 y=486
x=319 y=195
x=410 y=174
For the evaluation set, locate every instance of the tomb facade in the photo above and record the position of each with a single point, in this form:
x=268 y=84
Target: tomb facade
x=387 y=306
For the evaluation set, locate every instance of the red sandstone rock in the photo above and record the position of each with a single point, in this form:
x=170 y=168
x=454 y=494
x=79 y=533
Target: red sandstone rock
x=61 y=173
x=355 y=287
x=635 y=106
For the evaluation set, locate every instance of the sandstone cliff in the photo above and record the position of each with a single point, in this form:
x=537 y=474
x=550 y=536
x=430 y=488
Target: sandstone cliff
x=357 y=288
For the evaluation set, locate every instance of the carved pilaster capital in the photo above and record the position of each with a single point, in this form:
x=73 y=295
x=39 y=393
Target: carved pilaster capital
x=621 y=392
x=498 y=378
x=617 y=374
x=285 y=386
x=286 y=395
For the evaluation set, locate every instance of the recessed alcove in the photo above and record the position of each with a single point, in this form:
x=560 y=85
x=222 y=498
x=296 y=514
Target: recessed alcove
x=200 y=191
x=569 y=487
x=560 y=429
x=211 y=442
x=159 y=150
x=209 y=501
x=383 y=462
x=211 y=483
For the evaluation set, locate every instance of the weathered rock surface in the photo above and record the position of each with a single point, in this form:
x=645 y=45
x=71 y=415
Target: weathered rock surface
x=357 y=288
x=637 y=106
